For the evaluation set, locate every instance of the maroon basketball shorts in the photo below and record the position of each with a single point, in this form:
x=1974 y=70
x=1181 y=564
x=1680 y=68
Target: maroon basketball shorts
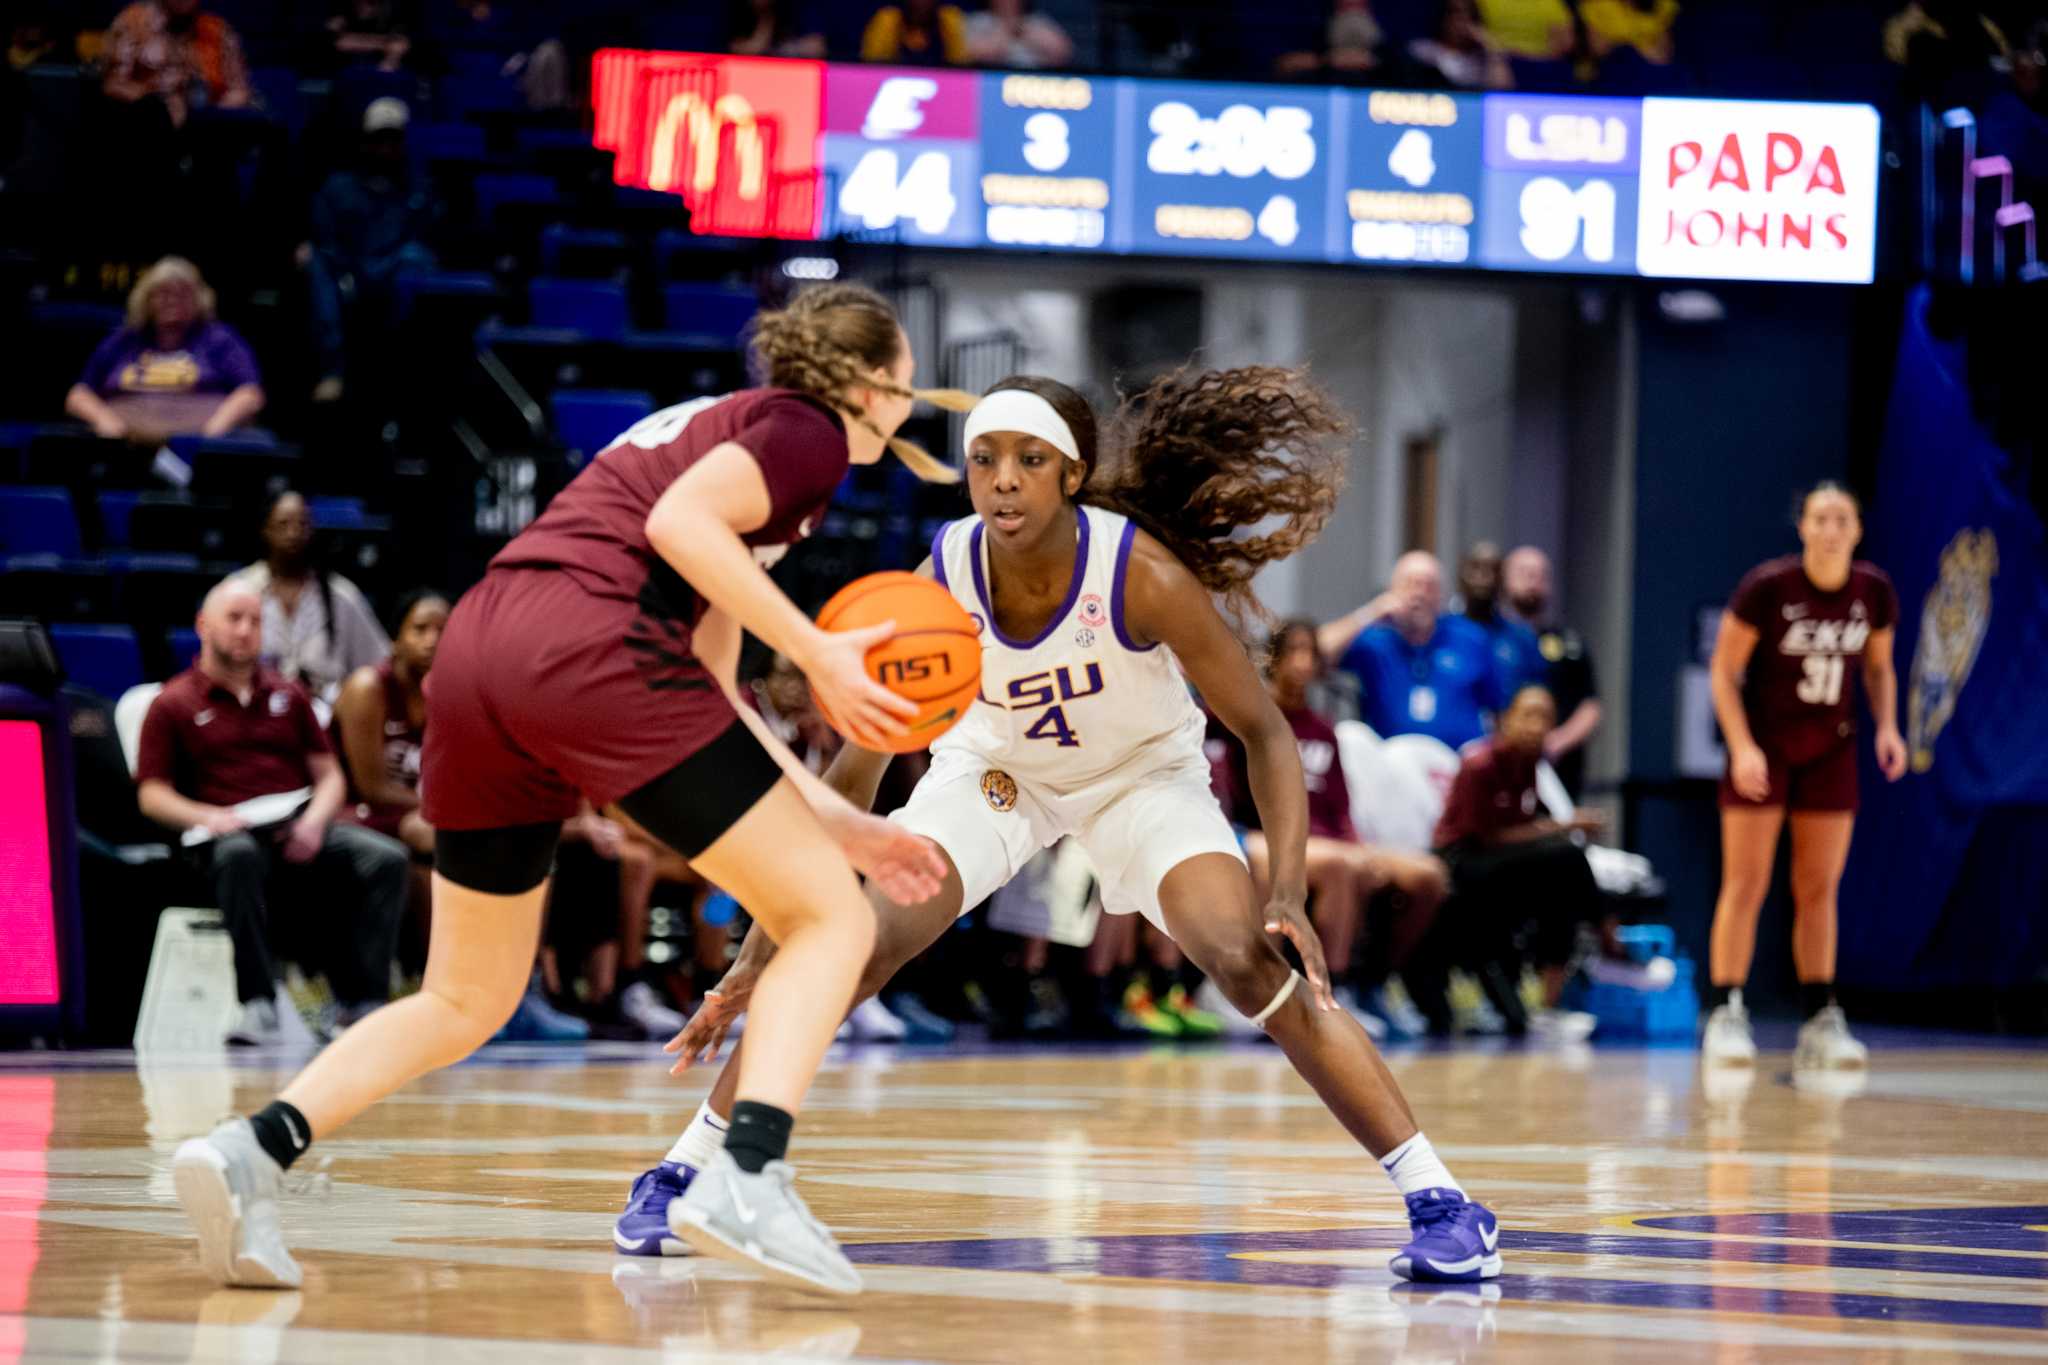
x=1825 y=781
x=536 y=700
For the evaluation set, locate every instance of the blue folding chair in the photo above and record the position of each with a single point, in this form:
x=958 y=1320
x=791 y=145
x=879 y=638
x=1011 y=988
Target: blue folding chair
x=501 y=190
x=708 y=310
x=106 y=659
x=591 y=419
x=596 y=308
x=38 y=521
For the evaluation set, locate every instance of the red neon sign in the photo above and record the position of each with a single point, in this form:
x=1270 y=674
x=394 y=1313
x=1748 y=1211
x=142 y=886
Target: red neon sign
x=735 y=137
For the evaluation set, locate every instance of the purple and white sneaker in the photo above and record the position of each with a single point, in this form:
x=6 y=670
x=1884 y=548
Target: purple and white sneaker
x=1455 y=1241
x=642 y=1230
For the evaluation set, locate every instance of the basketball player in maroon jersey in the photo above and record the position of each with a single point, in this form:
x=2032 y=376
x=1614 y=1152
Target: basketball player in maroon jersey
x=596 y=659
x=1792 y=639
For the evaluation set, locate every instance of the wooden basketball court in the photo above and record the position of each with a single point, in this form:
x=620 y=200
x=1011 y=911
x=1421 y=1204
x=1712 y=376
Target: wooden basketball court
x=1011 y=1205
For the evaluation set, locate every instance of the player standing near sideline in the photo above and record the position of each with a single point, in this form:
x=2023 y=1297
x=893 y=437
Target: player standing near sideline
x=596 y=659
x=1782 y=672
x=1077 y=574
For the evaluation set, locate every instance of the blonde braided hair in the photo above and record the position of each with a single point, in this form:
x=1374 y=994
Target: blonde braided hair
x=829 y=340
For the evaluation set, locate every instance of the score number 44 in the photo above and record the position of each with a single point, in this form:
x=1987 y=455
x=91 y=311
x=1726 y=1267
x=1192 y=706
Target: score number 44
x=879 y=197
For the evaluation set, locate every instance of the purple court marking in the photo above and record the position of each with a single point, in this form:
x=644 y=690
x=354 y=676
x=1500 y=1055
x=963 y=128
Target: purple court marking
x=2002 y=1228
x=1219 y=1258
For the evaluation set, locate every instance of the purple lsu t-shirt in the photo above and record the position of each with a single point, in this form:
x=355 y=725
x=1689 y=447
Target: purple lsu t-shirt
x=1800 y=689
x=212 y=359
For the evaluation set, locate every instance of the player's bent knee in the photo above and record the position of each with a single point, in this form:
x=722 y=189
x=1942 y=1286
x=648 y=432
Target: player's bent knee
x=1248 y=974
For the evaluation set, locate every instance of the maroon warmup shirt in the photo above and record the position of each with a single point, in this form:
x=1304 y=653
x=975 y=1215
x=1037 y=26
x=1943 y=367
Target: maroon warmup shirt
x=210 y=746
x=1800 y=689
x=1494 y=791
x=1329 y=799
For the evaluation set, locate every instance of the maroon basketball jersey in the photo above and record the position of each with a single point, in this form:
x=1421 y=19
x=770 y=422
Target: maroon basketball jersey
x=1800 y=692
x=595 y=530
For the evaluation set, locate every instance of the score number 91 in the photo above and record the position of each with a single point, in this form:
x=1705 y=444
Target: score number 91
x=1556 y=216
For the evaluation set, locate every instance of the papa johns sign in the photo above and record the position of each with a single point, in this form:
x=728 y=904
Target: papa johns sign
x=1737 y=189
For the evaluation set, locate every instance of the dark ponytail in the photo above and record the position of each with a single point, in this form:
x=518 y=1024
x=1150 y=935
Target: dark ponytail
x=1199 y=458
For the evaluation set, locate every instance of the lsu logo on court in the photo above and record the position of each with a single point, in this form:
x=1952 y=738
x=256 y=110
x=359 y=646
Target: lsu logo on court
x=1952 y=626
x=999 y=789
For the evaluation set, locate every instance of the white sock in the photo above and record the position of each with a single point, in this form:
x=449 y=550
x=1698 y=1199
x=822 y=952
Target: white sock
x=701 y=1141
x=1414 y=1166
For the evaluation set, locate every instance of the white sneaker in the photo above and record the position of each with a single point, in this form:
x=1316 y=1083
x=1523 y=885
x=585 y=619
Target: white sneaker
x=760 y=1220
x=228 y=1186
x=1564 y=1026
x=1825 y=1043
x=872 y=1022
x=1726 y=1041
x=646 y=1012
x=257 y=1025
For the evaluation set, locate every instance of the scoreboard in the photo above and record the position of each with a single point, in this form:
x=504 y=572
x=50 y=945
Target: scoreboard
x=1124 y=165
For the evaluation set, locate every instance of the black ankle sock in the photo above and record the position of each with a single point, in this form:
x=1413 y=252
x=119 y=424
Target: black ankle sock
x=759 y=1135
x=282 y=1131
x=1815 y=996
x=1717 y=996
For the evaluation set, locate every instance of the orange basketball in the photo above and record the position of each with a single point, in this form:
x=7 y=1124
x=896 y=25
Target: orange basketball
x=933 y=659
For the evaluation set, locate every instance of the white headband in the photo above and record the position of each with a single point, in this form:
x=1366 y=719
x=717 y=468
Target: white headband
x=1021 y=411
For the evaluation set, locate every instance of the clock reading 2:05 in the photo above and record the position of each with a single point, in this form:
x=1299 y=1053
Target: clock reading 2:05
x=1230 y=170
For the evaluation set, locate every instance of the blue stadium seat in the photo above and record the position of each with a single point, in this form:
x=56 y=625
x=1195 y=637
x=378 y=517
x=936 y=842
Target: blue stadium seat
x=590 y=251
x=708 y=309
x=337 y=514
x=38 y=521
x=145 y=561
x=595 y=308
x=106 y=659
x=446 y=141
x=591 y=419
x=475 y=287
x=499 y=190
x=52 y=588
x=117 y=505
x=184 y=645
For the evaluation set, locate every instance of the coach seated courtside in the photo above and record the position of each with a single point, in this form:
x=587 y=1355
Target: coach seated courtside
x=227 y=731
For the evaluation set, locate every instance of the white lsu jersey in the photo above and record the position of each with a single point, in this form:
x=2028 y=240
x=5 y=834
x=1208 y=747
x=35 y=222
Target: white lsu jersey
x=1082 y=699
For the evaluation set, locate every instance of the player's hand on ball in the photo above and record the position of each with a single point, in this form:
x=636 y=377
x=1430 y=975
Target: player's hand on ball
x=705 y=1033
x=1750 y=773
x=837 y=667
x=1891 y=754
x=1289 y=919
x=907 y=867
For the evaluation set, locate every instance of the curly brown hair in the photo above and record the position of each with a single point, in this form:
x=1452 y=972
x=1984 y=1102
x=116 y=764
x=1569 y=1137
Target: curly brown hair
x=1199 y=457
x=830 y=339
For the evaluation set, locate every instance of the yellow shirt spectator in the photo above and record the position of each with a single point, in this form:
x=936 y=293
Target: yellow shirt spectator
x=1622 y=23
x=1529 y=28
x=892 y=36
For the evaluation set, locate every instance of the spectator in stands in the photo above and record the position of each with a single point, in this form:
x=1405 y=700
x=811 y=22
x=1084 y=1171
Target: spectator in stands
x=1514 y=645
x=918 y=32
x=1642 y=27
x=1419 y=671
x=1461 y=52
x=770 y=28
x=1352 y=44
x=1538 y=30
x=370 y=223
x=227 y=731
x=375 y=32
x=1569 y=663
x=1948 y=47
x=317 y=626
x=380 y=721
x=1512 y=865
x=174 y=368
x=2014 y=123
x=1011 y=33
x=1344 y=872
x=174 y=54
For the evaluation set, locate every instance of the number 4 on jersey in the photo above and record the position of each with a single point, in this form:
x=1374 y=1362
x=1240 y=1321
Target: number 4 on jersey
x=1053 y=725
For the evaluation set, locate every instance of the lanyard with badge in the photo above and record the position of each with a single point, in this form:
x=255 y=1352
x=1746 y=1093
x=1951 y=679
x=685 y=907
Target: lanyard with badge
x=1421 y=696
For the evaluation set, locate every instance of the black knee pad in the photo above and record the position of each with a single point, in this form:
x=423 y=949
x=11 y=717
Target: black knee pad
x=507 y=861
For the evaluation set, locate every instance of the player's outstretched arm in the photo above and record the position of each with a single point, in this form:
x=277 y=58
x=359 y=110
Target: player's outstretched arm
x=1166 y=604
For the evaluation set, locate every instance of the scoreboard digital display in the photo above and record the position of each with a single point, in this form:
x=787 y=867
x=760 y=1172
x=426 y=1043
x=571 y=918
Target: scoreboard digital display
x=805 y=150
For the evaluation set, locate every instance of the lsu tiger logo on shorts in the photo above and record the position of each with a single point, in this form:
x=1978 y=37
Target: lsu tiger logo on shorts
x=999 y=789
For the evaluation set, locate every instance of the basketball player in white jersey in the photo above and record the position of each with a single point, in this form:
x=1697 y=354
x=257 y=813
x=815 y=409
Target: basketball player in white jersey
x=1085 y=727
